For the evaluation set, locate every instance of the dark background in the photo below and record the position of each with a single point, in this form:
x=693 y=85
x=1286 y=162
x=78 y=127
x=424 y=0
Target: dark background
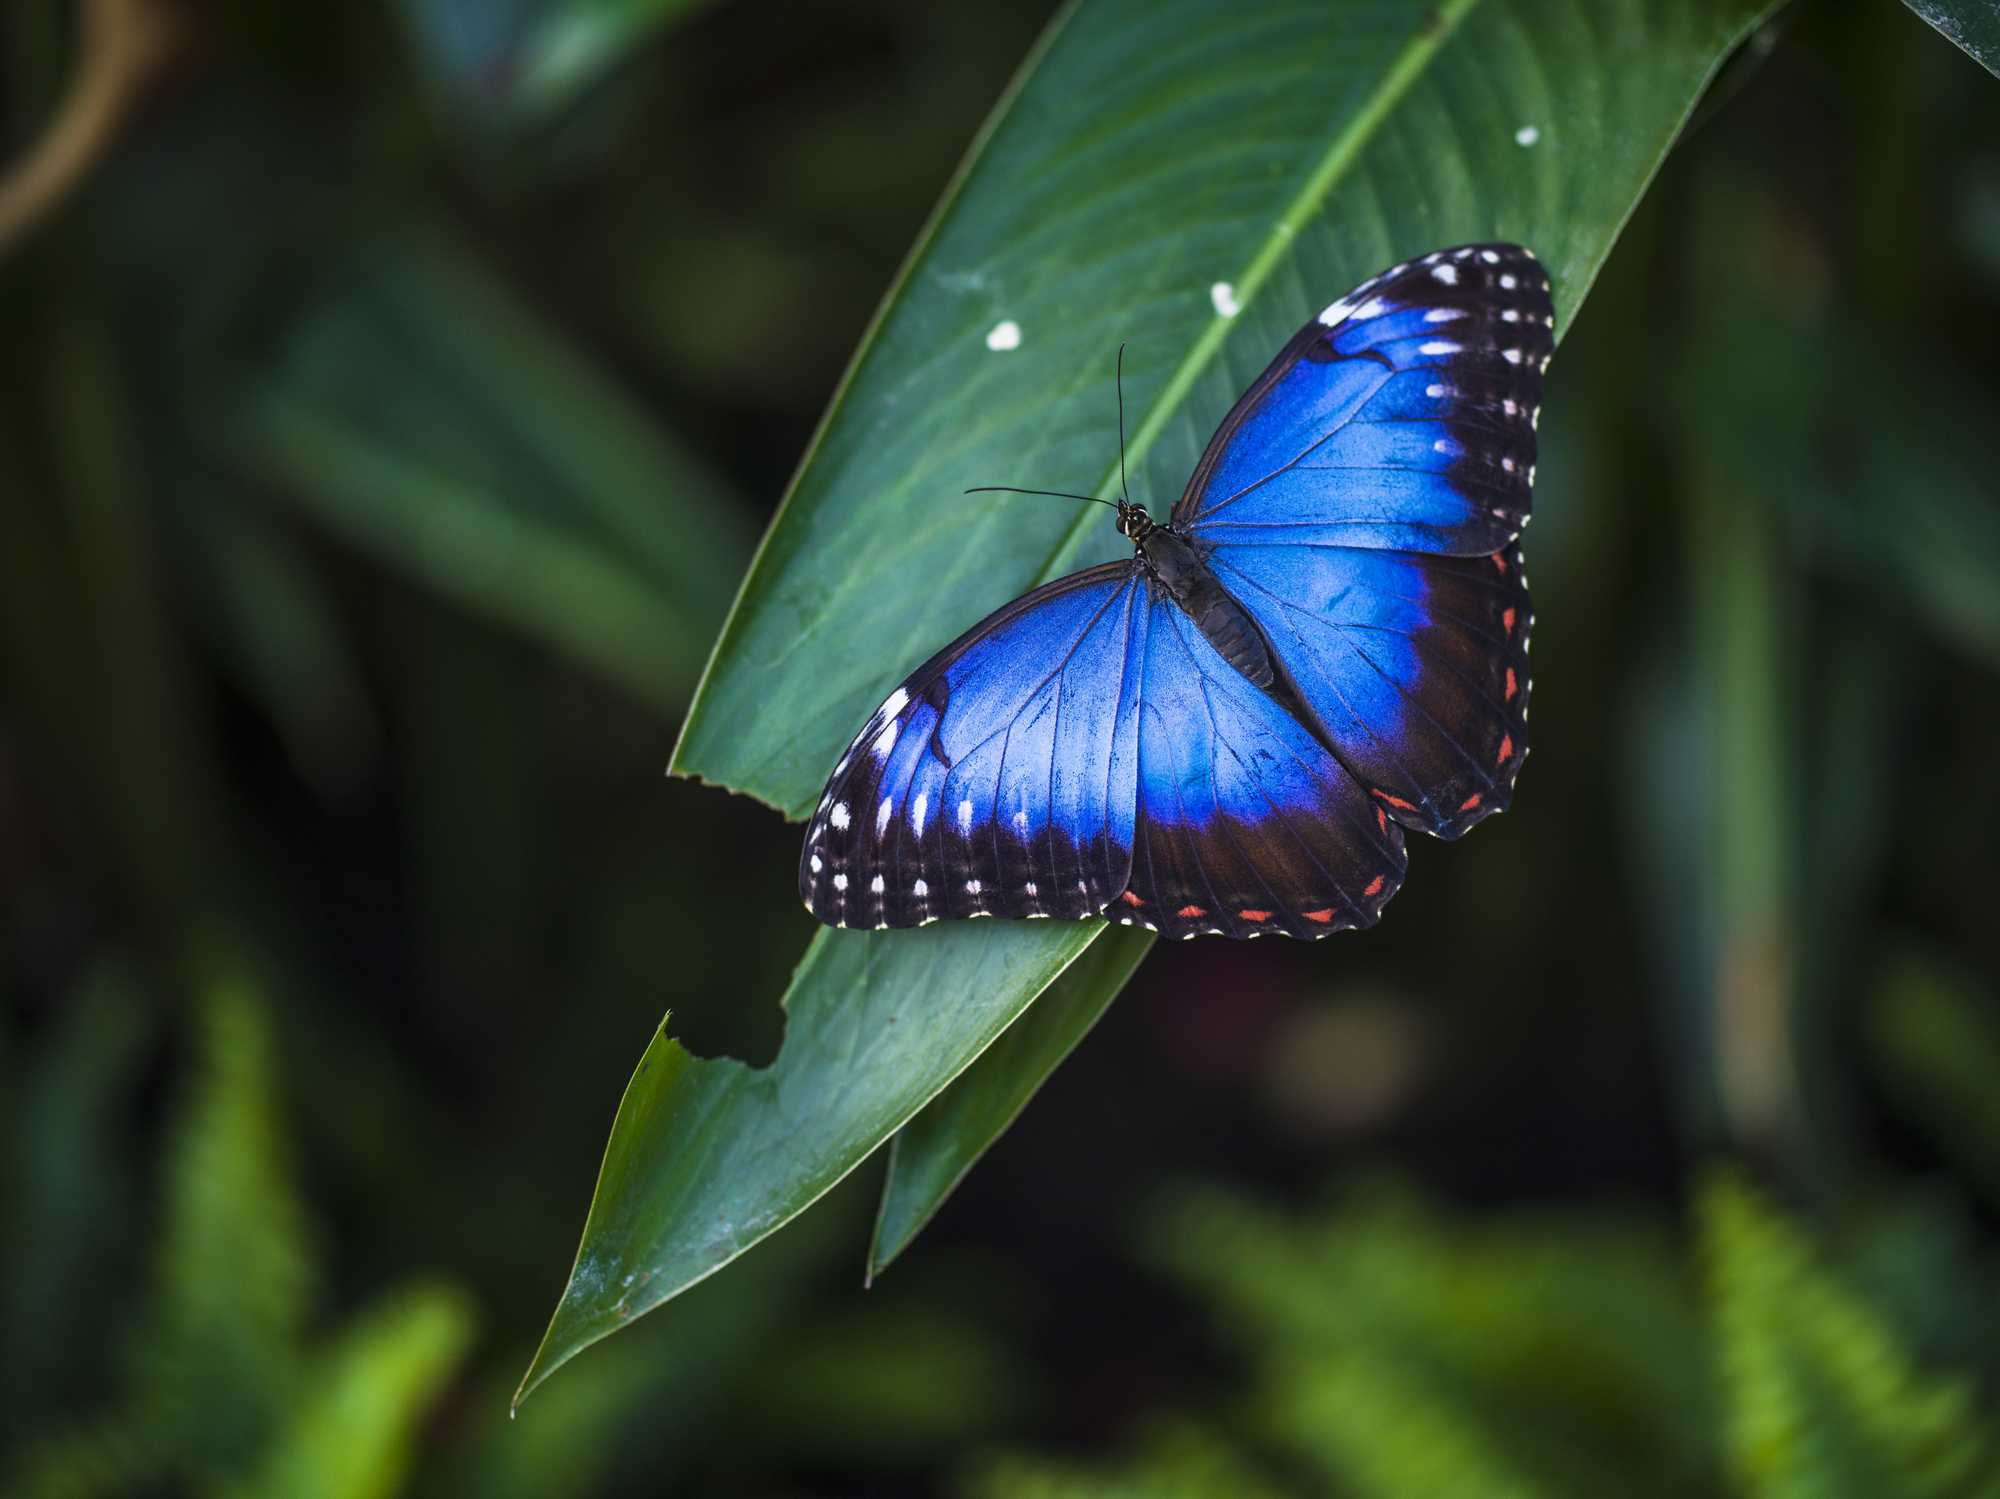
x=273 y=730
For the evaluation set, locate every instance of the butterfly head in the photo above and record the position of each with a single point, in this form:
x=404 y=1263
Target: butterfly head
x=1133 y=522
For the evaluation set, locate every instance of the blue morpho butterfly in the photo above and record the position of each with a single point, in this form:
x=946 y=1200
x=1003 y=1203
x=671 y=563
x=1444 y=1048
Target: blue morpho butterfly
x=1228 y=732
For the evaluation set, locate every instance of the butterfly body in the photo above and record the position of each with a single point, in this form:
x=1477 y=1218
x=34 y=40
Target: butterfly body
x=1173 y=565
x=1229 y=732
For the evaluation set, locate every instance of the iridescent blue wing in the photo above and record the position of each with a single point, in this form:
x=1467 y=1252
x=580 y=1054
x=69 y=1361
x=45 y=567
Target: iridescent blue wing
x=1362 y=501
x=1245 y=823
x=1000 y=779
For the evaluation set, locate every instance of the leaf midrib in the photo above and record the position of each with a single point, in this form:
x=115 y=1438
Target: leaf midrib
x=1433 y=31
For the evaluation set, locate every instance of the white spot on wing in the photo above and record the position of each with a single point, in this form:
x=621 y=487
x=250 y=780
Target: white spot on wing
x=1448 y=274
x=875 y=885
x=898 y=701
x=972 y=887
x=840 y=882
x=1223 y=297
x=882 y=817
x=1444 y=314
x=917 y=810
x=1021 y=822
x=1005 y=335
x=965 y=817
x=1508 y=281
x=838 y=817
x=817 y=865
x=1527 y=135
x=1438 y=346
x=921 y=890
x=886 y=740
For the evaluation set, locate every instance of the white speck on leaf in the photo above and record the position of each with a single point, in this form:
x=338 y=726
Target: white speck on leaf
x=1005 y=335
x=1223 y=295
x=1527 y=135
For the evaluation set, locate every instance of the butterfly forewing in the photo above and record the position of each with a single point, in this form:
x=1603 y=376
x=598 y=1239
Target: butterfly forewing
x=999 y=779
x=1403 y=417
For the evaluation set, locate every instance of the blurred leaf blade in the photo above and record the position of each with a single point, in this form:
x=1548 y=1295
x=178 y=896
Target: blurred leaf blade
x=224 y=1354
x=706 y=1158
x=354 y=1434
x=931 y=1154
x=417 y=409
x=527 y=59
x=1824 y=1398
x=1971 y=25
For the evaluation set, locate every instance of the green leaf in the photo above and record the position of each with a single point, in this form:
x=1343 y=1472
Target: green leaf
x=1286 y=147
x=1824 y=1398
x=356 y=1431
x=931 y=1154
x=222 y=1357
x=1145 y=154
x=1552 y=1352
x=708 y=1157
x=412 y=406
x=1182 y=1460
x=528 y=58
x=1973 y=25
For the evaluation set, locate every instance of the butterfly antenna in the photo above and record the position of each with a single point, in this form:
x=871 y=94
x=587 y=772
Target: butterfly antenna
x=1119 y=380
x=1059 y=494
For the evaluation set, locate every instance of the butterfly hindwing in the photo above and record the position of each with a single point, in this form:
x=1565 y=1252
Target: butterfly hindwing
x=1000 y=778
x=1414 y=667
x=1245 y=823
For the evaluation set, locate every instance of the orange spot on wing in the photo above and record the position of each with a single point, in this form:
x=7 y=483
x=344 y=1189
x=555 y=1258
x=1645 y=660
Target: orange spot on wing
x=1470 y=802
x=1506 y=749
x=1507 y=620
x=1500 y=562
x=1375 y=886
x=1382 y=822
x=1255 y=915
x=1190 y=912
x=1395 y=801
x=1512 y=687
x=1130 y=899
x=1322 y=917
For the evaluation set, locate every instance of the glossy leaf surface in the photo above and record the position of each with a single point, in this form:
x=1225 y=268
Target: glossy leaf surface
x=932 y=1153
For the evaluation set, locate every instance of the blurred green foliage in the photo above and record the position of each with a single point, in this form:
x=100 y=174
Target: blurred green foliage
x=223 y=1389
x=386 y=418
x=1390 y=1351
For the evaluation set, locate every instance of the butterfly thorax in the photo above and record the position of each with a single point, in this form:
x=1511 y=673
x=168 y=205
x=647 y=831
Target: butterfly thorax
x=1175 y=564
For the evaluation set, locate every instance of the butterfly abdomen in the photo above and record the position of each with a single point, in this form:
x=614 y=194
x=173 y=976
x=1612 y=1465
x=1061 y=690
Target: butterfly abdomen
x=1179 y=569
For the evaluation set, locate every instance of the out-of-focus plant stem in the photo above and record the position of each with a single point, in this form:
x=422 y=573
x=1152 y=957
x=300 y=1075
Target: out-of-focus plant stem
x=123 y=45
